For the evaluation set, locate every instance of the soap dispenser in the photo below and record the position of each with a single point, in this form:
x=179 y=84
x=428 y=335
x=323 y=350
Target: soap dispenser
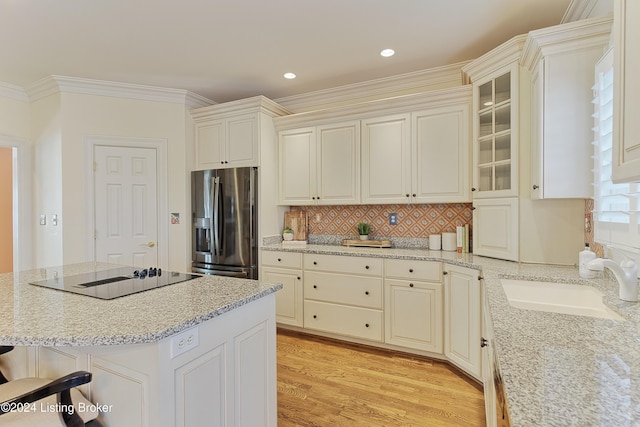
x=584 y=257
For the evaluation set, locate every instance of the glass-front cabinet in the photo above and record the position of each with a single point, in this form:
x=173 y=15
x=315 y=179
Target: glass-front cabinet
x=495 y=134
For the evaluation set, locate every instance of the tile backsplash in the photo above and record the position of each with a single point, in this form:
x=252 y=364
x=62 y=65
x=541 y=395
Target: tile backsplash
x=414 y=221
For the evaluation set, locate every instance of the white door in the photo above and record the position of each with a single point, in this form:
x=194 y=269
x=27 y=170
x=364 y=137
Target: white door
x=126 y=206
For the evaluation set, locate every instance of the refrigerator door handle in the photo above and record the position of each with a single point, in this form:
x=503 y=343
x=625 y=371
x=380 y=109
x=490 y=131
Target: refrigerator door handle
x=216 y=216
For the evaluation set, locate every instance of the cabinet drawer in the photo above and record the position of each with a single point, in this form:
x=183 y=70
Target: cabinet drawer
x=340 y=319
x=282 y=259
x=337 y=288
x=343 y=264
x=412 y=269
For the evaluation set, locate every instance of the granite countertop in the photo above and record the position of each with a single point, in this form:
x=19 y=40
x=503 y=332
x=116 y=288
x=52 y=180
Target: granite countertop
x=32 y=315
x=558 y=369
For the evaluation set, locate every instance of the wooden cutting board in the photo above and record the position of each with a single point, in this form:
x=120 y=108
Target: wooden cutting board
x=297 y=221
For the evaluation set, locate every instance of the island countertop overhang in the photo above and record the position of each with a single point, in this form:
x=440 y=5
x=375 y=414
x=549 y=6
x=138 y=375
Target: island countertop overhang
x=31 y=315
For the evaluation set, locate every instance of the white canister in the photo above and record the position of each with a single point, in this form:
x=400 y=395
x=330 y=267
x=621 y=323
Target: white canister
x=435 y=242
x=449 y=242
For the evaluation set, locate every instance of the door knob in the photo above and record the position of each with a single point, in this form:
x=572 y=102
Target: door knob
x=151 y=244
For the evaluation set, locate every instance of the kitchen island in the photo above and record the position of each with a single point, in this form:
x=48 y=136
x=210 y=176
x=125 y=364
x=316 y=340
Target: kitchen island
x=200 y=352
x=557 y=369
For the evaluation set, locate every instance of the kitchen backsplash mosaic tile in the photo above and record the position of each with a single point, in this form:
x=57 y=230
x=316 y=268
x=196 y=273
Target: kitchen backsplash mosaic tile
x=413 y=221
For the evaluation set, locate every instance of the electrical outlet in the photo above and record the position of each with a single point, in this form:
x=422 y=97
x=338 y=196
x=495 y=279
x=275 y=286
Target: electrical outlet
x=43 y=219
x=54 y=219
x=393 y=219
x=183 y=342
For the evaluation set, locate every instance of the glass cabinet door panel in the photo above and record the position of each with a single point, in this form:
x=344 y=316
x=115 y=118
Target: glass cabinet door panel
x=503 y=177
x=485 y=153
x=503 y=118
x=503 y=148
x=503 y=88
x=485 y=96
x=486 y=123
x=486 y=179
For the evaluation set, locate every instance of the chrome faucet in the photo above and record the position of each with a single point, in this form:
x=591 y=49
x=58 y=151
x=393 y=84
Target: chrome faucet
x=626 y=273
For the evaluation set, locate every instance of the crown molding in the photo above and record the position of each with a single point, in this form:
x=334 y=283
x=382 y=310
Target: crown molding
x=58 y=84
x=402 y=84
x=254 y=104
x=583 y=34
x=579 y=9
x=13 y=92
x=504 y=54
x=394 y=105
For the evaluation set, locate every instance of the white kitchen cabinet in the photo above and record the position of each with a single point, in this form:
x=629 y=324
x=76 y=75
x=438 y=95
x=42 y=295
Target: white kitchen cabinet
x=320 y=165
x=229 y=135
x=386 y=159
x=227 y=142
x=414 y=304
x=343 y=295
x=561 y=60
x=440 y=155
x=463 y=318
x=495 y=133
x=496 y=228
x=285 y=268
x=626 y=87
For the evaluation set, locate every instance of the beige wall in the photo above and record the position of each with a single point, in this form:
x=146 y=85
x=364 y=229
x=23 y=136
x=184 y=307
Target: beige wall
x=6 y=208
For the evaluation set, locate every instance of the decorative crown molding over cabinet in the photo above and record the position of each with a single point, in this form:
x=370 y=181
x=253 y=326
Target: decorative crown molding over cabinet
x=561 y=61
x=626 y=87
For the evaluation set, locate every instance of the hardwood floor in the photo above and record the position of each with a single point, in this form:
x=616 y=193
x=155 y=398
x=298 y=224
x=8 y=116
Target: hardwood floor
x=323 y=382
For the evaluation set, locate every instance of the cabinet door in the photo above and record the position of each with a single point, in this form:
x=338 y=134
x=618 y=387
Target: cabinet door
x=495 y=154
x=339 y=163
x=441 y=155
x=241 y=147
x=289 y=299
x=413 y=315
x=386 y=165
x=210 y=137
x=462 y=319
x=297 y=168
x=495 y=228
x=626 y=87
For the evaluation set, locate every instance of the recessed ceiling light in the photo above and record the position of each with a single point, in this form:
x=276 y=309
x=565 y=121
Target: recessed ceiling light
x=387 y=52
x=289 y=76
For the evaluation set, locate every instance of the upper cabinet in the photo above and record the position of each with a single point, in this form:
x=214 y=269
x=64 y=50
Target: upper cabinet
x=410 y=149
x=228 y=135
x=495 y=136
x=626 y=87
x=561 y=61
x=320 y=165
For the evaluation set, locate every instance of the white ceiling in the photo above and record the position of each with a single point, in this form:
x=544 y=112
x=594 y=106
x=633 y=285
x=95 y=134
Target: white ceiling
x=232 y=49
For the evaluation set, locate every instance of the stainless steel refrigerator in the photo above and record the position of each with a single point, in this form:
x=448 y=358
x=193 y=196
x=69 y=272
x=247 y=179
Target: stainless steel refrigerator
x=224 y=214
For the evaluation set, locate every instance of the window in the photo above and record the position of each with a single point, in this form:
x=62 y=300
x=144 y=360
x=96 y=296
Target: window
x=616 y=215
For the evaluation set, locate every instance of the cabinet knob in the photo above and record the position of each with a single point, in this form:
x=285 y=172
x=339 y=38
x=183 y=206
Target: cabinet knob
x=413 y=195
x=315 y=317
x=407 y=195
x=366 y=292
x=279 y=259
x=315 y=287
x=473 y=188
x=366 y=266
x=535 y=187
x=483 y=342
x=411 y=270
x=366 y=325
x=480 y=277
x=473 y=208
x=313 y=198
x=411 y=285
x=315 y=263
x=445 y=273
x=298 y=277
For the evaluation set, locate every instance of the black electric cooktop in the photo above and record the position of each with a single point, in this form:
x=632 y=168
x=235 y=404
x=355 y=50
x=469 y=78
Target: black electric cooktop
x=115 y=283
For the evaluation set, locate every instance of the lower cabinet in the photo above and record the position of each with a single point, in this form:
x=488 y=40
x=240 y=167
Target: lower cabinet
x=413 y=304
x=463 y=318
x=419 y=306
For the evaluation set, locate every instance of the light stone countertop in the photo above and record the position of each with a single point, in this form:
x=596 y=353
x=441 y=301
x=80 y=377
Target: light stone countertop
x=33 y=315
x=558 y=369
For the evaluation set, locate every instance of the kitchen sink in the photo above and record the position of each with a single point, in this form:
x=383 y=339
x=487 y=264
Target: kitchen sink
x=581 y=300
